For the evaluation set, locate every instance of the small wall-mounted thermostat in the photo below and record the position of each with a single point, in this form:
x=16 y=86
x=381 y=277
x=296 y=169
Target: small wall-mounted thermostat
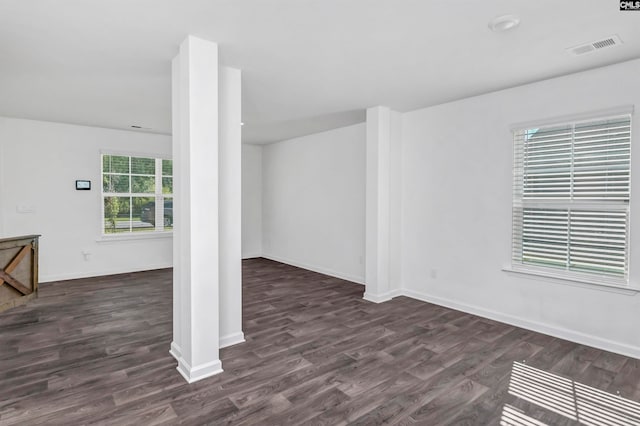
x=83 y=185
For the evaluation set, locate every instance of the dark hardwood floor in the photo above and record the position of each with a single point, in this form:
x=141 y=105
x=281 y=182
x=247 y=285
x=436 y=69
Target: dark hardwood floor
x=96 y=351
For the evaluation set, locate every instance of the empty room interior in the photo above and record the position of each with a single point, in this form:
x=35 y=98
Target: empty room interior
x=294 y=212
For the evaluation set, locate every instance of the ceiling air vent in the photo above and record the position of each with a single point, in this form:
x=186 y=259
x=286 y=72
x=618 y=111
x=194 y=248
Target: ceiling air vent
x=605 y=43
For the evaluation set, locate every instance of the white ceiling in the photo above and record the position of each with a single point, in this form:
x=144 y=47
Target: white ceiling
x=308 y=65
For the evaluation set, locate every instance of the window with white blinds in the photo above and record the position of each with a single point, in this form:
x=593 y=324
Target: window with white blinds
x=571 y=198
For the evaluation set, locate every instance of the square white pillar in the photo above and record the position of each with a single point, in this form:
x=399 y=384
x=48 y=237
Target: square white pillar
x=178 y=259
x=196 y=239
x=230 y=193
x=383 y=137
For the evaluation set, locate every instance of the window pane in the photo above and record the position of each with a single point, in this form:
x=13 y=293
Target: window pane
x=116 y=215
x=167 y=167
x=167 y=185
x=143 y=166
x=115 y=183
x=168 y=214
x=598 y=241
x=143 y=213
x=143 y=184
x=122 y=178
x=545 y=236
x=602 y=154
x=115 y=164
x=547 y=163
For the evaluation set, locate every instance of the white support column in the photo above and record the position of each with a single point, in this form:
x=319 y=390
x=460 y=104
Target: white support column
x=230 y=229
x=395 y=206
x=378 y=185
x=178 y=267
x=196 y=271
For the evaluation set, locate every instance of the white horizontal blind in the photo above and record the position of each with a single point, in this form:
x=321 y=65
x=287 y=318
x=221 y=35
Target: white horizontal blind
x=571 y=196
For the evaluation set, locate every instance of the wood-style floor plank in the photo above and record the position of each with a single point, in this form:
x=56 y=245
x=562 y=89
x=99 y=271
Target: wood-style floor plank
x=95 y=351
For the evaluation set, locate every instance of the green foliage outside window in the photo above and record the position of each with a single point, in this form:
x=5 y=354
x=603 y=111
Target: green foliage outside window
x=130 y=193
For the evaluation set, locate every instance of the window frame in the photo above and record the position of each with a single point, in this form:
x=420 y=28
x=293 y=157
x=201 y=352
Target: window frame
x=158 y=230
x=604 y=281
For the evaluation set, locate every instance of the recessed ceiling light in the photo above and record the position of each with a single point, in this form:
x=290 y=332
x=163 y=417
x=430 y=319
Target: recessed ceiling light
x=504 y=23
x=241 y=123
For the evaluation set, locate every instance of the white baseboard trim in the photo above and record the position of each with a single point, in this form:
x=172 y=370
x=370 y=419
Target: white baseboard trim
x=315 y=268
x=381 y=298
x=176 y=351
x=251 y=255
x=549 y=329
x=231 y=339
x=90 y=274
x=193 y=374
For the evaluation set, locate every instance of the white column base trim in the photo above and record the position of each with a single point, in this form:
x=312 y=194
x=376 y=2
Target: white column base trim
x=231 y=339
x=175 y=351
x=540 y=327
x=193 y=374
x=380 y=298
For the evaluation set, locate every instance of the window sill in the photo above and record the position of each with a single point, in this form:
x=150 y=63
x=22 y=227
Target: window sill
x=134 y=237
x=605 y=284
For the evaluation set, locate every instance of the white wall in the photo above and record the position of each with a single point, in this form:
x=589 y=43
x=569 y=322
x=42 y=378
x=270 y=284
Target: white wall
x=39 y=163
x=314 y=202
x=251 y=201
x=456 y=212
